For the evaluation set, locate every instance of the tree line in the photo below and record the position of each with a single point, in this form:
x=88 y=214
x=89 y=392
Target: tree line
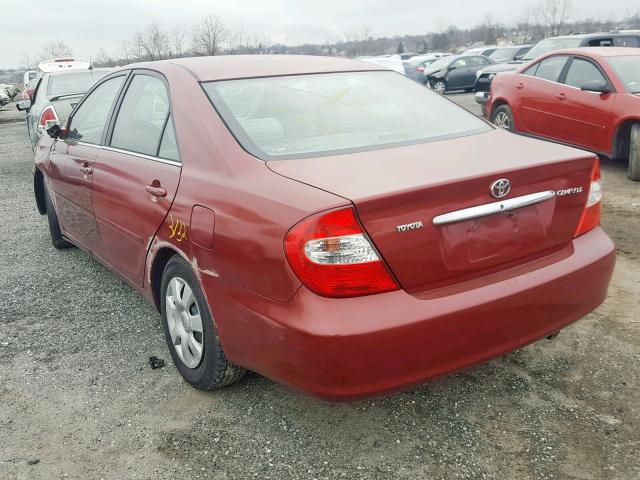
x=210 y=35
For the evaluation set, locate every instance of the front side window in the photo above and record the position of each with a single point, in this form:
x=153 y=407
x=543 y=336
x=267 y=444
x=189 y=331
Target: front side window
x=551 y=68
x=142 y=116
x=326 y=114
x=582 y=71
x=88 y=122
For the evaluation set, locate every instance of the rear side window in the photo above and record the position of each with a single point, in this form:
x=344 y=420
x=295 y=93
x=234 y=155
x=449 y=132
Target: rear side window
x=582 y=71
x=168 y=144
x=88 y=122
x=551 y=68
x=629 y=41
x=70 y=83
x=142 y=116
x=302 y=116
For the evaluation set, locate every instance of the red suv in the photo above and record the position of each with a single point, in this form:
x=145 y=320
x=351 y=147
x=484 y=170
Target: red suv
x=587 y=97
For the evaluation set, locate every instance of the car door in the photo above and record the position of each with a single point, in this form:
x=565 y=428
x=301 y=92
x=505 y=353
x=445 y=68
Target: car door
x=136 y=175
x=72 y=159
x=586 y=116
x=538 y=93
x=458 y=72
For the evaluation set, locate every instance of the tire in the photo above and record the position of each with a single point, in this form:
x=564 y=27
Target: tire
x=57 y=239
x=201 y=362
x=502 y=117
x=440 y=86
x=634 y=154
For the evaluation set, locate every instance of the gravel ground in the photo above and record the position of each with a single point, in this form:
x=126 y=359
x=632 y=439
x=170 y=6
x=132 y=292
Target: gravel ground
x=78 y=400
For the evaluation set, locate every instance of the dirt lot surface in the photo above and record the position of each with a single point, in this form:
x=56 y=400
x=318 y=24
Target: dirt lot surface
x=78 y=400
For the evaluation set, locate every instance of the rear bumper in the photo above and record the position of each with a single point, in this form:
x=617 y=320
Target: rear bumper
x=341 y=349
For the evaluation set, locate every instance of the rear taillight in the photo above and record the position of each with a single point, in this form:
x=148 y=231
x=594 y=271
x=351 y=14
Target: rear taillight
x=48 y=117
x=420 y=69
x=591 y=214
x=333 y=257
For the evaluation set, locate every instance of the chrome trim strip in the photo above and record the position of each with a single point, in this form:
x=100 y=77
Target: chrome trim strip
x=493 y=208
x=142 y=155
x=127 y=152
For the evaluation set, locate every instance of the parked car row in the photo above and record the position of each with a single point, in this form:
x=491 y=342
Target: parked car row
x=486 y=75
x=585 y=97
x=7 y=93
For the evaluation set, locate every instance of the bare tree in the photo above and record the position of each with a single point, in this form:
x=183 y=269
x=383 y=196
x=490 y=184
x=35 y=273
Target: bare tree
x=102 y=58
x=152 y=43
x=208 y=36
x=125 y=49
x=179 y=40
x=235 y=39
x=553 y=15
x=56 y=49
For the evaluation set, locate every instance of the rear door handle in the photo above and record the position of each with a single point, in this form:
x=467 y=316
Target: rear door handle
x=156 y=191
x=561 y=96
x=86 y=169
x=520 y=86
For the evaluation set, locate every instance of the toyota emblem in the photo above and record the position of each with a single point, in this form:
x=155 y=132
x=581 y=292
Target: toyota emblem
x=500 y=188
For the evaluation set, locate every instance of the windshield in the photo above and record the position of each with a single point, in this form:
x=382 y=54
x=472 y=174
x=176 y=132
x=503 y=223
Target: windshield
x=76 y=82
x=504 y=54
x=551 y=44
x=323 y=114
x=628 y=69
x=440 y=64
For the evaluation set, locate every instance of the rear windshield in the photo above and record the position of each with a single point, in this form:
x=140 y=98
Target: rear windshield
x=551 y=44
x=628 y=69
x=77 y=82
x=324 y=114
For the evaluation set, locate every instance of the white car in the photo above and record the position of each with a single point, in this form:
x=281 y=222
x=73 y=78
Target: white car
x=391 y=62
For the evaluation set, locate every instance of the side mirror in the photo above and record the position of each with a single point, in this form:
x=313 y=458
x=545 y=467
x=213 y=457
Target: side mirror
x=23 y=105
x=519 y=57
x=452 y=67
x=56 y=131
x=598 y=86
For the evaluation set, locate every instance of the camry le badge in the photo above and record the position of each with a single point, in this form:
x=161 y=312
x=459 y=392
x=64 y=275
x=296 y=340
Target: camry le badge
x=500 y=188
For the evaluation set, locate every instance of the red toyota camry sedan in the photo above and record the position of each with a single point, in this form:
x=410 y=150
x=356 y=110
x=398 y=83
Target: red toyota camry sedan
x=586 y=97
x=324 y=222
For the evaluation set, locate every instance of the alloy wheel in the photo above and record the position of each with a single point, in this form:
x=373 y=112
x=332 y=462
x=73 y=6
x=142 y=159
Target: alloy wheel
x=502 y=120
x=440 y=88
x=184 y=322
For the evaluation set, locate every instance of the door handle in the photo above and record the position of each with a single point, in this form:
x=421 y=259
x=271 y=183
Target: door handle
x=561 y=96
x=520 y=86
x=156 y=191
x=86 y=169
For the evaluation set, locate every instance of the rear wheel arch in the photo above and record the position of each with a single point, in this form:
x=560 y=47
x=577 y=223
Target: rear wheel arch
x=160 y=260
x=38 y=190
x=622 y=139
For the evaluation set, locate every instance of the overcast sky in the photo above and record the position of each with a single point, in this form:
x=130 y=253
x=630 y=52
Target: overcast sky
x=88 y=25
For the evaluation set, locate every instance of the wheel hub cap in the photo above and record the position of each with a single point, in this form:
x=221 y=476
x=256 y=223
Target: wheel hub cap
x=184 y=322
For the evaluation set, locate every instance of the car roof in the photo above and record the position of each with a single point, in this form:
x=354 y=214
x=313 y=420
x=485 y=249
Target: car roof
x=599 y=51
x=76 y=70
x=227 y=67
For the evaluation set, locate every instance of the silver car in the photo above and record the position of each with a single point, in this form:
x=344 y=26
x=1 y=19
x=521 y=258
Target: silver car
x=55 y=96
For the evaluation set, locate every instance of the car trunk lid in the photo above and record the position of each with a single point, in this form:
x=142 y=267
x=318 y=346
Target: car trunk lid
x=399 y=192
